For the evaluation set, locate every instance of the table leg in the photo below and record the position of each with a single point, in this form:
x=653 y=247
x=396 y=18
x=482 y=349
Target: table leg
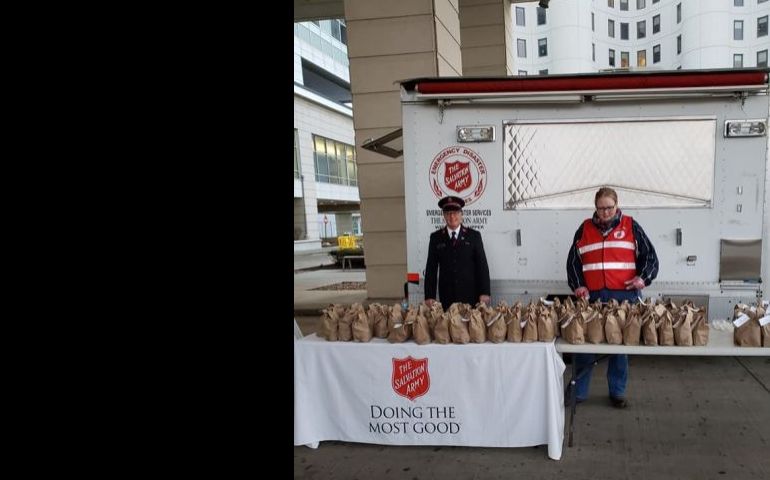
x=572 y=402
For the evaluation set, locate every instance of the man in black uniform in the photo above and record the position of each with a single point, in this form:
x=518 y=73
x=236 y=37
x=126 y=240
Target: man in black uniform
x=458 y=253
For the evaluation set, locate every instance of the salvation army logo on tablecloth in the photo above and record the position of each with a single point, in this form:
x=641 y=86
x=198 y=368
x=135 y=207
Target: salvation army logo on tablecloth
x=410 y=377
x=458 y=171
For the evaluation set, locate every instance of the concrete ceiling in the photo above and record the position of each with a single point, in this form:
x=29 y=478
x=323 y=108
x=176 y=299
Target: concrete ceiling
x=305 y=10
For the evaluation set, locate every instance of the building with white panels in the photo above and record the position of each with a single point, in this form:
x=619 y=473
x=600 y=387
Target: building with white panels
x=326 y=200
x=590 y=35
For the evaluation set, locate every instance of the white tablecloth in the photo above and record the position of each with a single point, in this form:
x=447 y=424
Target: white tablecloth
x=483 y=395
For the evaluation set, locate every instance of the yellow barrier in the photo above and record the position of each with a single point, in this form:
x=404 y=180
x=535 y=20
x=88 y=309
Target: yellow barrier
x=346 y=241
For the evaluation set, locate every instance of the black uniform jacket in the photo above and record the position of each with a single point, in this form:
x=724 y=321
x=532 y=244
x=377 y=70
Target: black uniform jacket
x=461 y=269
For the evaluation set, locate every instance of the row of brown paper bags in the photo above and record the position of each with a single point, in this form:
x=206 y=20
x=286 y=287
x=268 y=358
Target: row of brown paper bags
x=635 y=324
x=462 y=323
x=751 y=326
x=538 y=321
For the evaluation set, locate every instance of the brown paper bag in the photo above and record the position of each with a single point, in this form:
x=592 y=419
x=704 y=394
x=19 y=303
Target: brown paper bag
x=434 y=315
x=363 y=330
x=649 y=332
x=513 y=324
x=381 y=313
x=399 y=330
x=546 y=325
x=632 y=328
x=458 y=329
x=477 y=329
x=764 y=324
x=700 y=328
x=683 y=328
x=529 y=328
x=747 y=332
x=441 y=329
x=496 y=327
x=420 y=328
x=665 y=328
x=572 y=329
x=612 y=330
x=345 y=325
x=328 y=324
x=593 y=326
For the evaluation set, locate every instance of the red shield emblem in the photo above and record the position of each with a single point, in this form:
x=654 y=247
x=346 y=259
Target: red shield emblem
x=457 y=176
x=410 y=377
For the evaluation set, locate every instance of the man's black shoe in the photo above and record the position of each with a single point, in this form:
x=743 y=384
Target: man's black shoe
x=618 y=402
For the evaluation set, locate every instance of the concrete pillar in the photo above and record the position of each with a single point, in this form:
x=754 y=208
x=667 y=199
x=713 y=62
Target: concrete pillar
x=387 y=42
x=485 y=27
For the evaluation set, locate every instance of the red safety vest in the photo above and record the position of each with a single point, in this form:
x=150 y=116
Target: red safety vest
x=608 y=261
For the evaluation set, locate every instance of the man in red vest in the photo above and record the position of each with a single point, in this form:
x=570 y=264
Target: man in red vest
x=611 y=257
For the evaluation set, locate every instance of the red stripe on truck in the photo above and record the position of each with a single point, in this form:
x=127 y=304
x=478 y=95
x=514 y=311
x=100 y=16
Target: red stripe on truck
x=593 y=82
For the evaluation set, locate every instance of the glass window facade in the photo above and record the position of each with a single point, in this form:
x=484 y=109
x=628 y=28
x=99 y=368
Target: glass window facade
x=656 y=24
x=656 y=53
x=542 y=47
x=520 y=19
x=641 y=58
x=738 y=30
x=612 y=58
x=623 y=31
x=611 y=28
x=335 y=162
x=762 y=58
x=737 y=60
x=641 y=29
x=541 y=19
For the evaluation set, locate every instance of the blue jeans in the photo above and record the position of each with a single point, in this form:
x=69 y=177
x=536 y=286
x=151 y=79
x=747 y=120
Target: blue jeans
x=617 y=365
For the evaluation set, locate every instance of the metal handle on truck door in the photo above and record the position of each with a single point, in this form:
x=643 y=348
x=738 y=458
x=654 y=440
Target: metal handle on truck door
x=518 y=237
x=679 y=236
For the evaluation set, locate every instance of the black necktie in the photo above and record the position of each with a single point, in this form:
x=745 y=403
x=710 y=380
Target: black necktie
x=454 y=238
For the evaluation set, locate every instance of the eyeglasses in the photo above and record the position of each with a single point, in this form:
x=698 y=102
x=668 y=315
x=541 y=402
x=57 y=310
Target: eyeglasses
x=605 y=209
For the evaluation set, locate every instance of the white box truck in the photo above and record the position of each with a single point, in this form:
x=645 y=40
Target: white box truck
x=687 y=152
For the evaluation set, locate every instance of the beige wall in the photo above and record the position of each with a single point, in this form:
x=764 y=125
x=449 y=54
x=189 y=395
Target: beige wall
x=388 y=42
x=485 y=25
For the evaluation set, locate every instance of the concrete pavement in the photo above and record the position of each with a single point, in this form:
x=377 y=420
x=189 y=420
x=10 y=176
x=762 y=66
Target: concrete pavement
x=316 y=269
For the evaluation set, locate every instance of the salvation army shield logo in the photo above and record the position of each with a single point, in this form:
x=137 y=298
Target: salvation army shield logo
x=410 y=377
x=458 y=171
x=619 y=234
x=457 y=176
